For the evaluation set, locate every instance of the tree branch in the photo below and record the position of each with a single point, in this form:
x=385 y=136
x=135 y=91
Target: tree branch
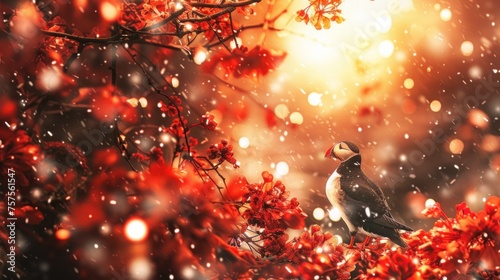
x=225 y=5
x=173 y=16
x=83 y=40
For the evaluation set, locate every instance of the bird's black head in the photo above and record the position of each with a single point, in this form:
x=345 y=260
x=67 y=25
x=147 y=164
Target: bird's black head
x=342 y=150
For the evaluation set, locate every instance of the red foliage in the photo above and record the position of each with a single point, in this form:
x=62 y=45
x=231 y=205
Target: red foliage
x=19 y=153
x=244 y=63
x=208 y=122
x=222 y=152
x=456 y=248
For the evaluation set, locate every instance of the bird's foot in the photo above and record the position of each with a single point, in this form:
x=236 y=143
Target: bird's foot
x=365 y=243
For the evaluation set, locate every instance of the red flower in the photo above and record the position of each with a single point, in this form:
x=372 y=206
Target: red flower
x=236 y=189
x=243 y=63
x=323 y=12
x=222 y=152
x=454 y=245
x=433 y=211
x=176 y=127
x=207 y=121
x=173 y=108
x=393 y=265
x=18 y=153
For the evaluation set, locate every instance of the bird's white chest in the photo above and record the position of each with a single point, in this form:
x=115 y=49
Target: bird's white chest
x=333 y=188
x=333 y=193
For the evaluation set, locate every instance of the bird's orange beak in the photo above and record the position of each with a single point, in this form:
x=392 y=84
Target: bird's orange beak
x=328 y=153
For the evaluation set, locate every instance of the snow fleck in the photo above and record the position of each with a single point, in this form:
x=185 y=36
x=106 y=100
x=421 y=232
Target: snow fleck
x=368 y=212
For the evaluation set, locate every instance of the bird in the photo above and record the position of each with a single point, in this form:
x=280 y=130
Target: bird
x=361 y=202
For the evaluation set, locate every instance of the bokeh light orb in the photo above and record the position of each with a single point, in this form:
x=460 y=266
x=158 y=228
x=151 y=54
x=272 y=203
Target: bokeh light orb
x=475 y=72
x=319 y=214
x=435 y=106
x=136 y=229
x=478 y=118
x=409 y=83
x=408 y=106
x=429 y=202
x=467 y=48
x=200 y=55
x=109 y=12
x=282 y=168
x=50 y=79
x=281 y=111
x=63 y=234
x=334 y=214
x=495 y=162
x=296 y=118
x=244 y=142
x=445 y=14
x=456 y=146
x=141 y=268
x=314 y=99
x=386 y=48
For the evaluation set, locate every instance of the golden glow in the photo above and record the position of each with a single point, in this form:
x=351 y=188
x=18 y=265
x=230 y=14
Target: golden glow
x=334 y=62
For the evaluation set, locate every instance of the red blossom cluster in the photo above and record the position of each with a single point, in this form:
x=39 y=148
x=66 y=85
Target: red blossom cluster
x=208 y=122
x=463 y=247
x=321 y=13
x=317 y=254
x=222 y=151
x=173 y=108
x=467 y=244
x=245 y=63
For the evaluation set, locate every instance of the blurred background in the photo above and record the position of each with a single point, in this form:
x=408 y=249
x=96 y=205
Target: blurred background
x=414 y=83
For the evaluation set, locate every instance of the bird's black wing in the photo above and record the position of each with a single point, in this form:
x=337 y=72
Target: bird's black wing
x=375 y=188
x=363 y=205
x=358 y=195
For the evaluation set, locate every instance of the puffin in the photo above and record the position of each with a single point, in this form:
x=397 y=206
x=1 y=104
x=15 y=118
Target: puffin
x=361 y=202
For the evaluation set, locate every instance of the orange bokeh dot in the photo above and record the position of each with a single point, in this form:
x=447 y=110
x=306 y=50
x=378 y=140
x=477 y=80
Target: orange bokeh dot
x=109 y=12
x=456 y=146
x=478 y=118
x=408 y=106
x=490 y=143
x=63 y=234
x=495 y=163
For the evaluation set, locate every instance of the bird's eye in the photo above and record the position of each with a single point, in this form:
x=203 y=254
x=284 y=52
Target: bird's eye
x=340 y=147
